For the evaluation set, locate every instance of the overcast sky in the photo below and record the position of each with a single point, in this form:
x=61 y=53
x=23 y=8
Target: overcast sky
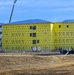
x=51 y=10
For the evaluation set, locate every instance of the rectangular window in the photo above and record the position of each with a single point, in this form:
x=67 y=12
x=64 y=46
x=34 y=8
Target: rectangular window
x=67 y=26
x=32 y=34
x=33 y=27
x=34 y=42
x=37 y=41
x=59 y=26
x=30 y=27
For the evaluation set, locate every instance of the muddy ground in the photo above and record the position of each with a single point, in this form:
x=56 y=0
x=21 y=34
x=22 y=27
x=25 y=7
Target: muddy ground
x=25 y=64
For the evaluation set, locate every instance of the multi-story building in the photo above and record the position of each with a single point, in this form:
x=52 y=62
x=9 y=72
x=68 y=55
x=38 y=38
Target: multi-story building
x=38 y=37
x=27 y=37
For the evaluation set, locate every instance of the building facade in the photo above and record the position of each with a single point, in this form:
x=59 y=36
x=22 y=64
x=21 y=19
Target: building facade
x=38 y=37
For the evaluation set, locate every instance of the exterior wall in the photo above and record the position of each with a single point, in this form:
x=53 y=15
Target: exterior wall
x=64 y=35
x=27 y=37
x=40 y=37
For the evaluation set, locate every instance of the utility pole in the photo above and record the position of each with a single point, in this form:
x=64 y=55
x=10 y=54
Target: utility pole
x=12 y=10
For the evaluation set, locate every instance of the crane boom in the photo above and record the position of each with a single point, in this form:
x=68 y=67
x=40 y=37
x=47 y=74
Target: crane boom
x=12 y=10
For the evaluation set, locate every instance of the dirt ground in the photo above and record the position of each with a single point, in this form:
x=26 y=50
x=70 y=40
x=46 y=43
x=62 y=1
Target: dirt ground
x=25 y=64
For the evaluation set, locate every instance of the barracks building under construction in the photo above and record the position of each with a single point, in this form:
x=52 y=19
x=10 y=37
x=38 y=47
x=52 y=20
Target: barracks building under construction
x=38 y=36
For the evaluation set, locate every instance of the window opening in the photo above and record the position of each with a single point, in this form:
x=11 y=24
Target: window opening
x=67 y=26
x=33 y=27
x=37 y=41
x=59 y=26
x=34 y=41
x=32 y=34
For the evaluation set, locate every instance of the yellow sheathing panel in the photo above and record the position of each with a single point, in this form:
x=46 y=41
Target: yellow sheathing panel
x=42 y=36
x=64 y=35
x=22 y=37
